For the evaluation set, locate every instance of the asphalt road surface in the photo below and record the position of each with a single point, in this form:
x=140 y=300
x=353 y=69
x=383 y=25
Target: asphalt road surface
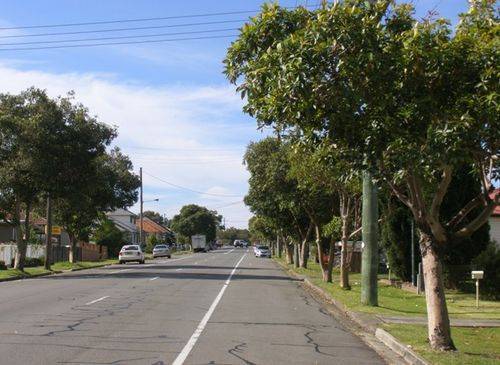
x=221 y=307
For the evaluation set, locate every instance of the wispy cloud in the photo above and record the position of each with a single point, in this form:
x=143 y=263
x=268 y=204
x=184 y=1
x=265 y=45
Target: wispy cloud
x=190 y=136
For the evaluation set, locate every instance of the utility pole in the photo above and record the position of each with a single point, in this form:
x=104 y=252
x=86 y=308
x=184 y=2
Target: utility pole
x=413 y=273
x=370 y=258
x=141 y=234
x=48 y=234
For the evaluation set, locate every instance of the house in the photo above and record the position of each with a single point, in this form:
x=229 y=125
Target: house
x=7 y=232
x=151 y=228
x=494 y=221
x=125 y=221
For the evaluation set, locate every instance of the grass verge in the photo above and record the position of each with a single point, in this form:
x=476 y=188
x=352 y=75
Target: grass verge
x=476 y=346
x=398 y=302
x=9 y=274
x=66 y=265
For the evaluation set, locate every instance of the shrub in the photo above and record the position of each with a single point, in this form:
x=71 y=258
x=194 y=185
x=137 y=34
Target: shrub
x=489 y=261
x=2 y=265
x=34 y=261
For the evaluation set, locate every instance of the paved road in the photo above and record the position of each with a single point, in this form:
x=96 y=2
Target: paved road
x=222 y=307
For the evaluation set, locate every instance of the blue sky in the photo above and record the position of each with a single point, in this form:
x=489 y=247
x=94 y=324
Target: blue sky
x=176 y=114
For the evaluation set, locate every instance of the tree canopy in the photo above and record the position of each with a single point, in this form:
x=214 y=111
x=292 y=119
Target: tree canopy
x=194 y=219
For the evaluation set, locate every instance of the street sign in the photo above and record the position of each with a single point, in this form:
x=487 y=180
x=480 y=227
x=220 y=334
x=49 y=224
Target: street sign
x=56 y=230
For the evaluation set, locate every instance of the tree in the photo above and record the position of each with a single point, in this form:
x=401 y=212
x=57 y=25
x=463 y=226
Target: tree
x=154 y=216
x=107 y=234
x=230 y=234
x=108 y=184
x=194 y=219
x=152 y=241
x=411 y=98
x=260 y=229
x=28 y=122
x=274 y=194
x=332 y=200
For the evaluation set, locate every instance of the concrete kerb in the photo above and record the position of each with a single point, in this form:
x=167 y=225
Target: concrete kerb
x=400 y=348
x=371 y=327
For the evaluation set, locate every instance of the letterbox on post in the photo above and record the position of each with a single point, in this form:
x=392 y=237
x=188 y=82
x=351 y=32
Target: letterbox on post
x=477 y=275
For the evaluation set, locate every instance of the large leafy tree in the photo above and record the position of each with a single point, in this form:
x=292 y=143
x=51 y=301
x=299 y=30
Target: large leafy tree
x=412 y=98
x=194 y=219
x=109 y=184
x=333 y=199
x=261 y=229
x=274 y=194
x=31 y=161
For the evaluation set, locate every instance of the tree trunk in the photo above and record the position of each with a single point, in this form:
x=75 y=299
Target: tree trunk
x=289 y=253
x=326 y=269
x=278 y=246
x=72 y=248
x=304 y=254
x=438 y=321
x=331 y=257
x=20 y=241
x=344 y=267
x=319 y=248
x=296 y=255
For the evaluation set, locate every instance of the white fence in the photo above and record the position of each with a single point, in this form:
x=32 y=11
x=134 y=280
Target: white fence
x=8 y=252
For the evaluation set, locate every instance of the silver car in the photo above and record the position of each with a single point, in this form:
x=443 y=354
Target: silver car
x=161 y=251
x=262 y=251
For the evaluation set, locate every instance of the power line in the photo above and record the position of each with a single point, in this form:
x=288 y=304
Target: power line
x=129 y=20
x=118 y=43
x=228 y=205
x=122 y=29
x=188 y=189
x=120 y=37
x=136 y=20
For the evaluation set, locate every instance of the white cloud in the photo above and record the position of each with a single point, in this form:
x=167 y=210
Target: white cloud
x=190 y=136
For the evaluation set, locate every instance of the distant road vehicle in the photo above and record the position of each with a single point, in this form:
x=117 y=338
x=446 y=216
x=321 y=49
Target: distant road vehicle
x=240 y=243
x=131 y=253
x=199 y=243
x=161 y=251
x=262 y=251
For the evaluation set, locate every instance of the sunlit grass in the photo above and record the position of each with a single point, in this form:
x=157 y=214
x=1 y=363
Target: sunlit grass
x=398 y=302
x=476 y=346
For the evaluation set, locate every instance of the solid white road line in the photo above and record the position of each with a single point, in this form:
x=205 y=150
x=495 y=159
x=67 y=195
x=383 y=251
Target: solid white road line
x=197 y=333
x=225 y=253
x=156 y=277
x=97 y=300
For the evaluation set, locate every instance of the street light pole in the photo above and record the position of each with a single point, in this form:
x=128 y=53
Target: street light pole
x=140 y=217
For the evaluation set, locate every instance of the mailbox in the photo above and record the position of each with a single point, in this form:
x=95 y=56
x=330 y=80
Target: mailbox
x=477 y=275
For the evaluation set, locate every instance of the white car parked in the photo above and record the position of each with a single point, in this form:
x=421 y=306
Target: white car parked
x=131 y=253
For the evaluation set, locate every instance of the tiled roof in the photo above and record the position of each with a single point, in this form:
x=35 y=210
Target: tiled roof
x=150 y=226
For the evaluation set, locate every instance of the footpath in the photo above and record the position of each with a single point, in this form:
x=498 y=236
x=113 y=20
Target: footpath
x=399 y=321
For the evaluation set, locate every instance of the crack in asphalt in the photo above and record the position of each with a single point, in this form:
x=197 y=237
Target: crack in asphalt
x=239 y=348
x=310 y=340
